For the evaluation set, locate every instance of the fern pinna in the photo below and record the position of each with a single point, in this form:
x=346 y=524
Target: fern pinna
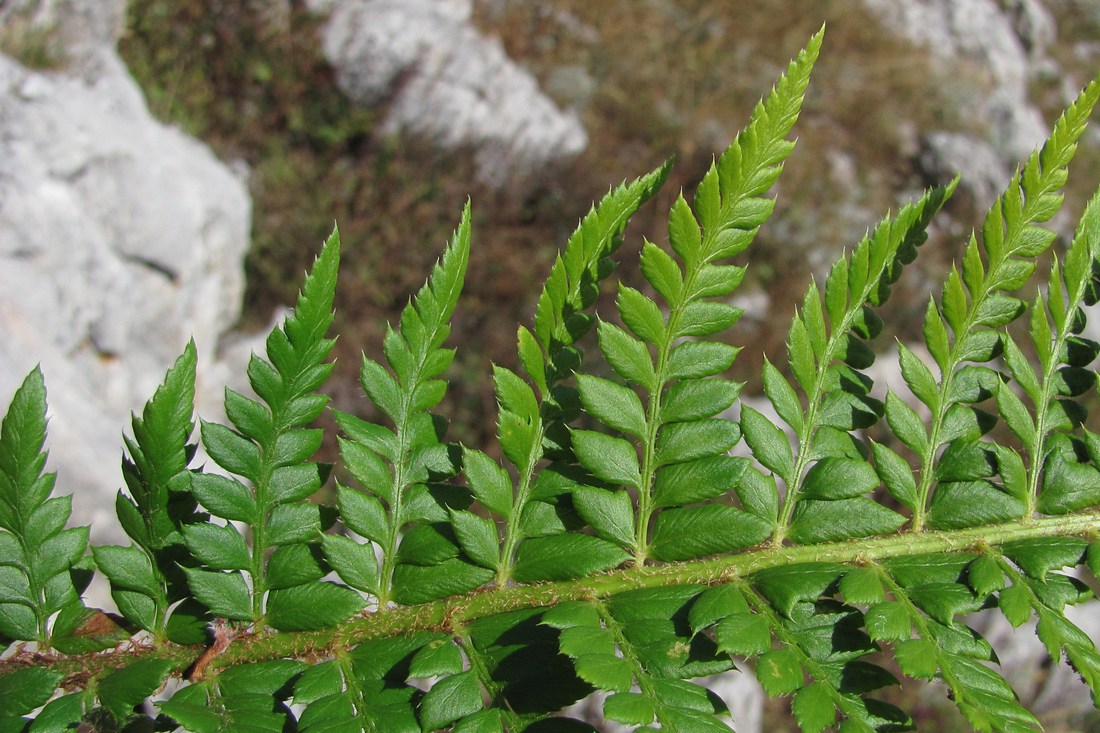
x=626 y=544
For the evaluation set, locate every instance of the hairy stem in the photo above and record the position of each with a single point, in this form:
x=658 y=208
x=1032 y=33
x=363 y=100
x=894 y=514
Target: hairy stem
x=445 y=614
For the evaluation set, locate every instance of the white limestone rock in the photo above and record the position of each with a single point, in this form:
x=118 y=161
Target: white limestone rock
x=993 y=49
x=120 y=238
x=444 y=81
x=82 y=32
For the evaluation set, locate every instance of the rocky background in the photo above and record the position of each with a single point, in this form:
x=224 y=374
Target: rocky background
x=121 y=237
x=168 y=169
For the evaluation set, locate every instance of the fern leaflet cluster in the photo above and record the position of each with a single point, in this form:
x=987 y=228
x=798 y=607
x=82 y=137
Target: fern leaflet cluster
x=621 y=546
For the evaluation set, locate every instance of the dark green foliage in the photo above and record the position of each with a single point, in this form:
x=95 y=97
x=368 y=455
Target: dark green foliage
x=621 y=547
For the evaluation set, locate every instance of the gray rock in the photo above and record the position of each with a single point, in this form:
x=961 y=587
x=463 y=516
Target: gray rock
x=82 y=33
x=994 y=49
x=446 y=82
x=120 y=238
x=984 y=172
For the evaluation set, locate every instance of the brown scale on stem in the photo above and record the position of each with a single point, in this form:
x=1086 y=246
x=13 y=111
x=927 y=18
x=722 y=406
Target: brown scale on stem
x=224 y=634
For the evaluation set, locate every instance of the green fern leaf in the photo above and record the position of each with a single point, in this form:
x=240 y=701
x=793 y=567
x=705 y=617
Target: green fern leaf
x=1011 y=239
x=729 y=210
x=393 y=467
x=826 y=613
x=635 y=641
x=270 y=447
x=854 y=284
x=23 y=691
x=39 y=553
x=1051 y=389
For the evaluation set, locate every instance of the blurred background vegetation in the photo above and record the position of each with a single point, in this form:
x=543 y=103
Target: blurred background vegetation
x=648 y=79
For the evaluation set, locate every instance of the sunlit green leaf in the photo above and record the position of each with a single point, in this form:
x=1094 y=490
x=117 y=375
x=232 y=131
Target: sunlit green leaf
x=906 y=424
x=616 y=406
x=26 y=689
x=694 y=359
x=641 y=315
x=692 y=532
x=769 y=444
x=220 y=547
x=565 y=556
x=839 y=478
x=743 y=633
x=610 y=513
x=917 y=658
x=628 y=356
x=449 y=699
x=611 y=459
x=705 y=478
x=813 y=708
x=697 y=399
x=225 y=497
x=896 y=475
x=688 y=441
x=355 y=563
x=629 y=707
x=779 y=672
x=827 y=521
x=225 y=594
x=782 y=396
x=488 y=481
x=478 y=538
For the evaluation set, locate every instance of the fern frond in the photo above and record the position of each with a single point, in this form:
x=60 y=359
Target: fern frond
x=640 y=648
x=973 y=303
x=674 y=452
x=1045 y=431
x=232 y=700
x=827 y=475
x=573 y=283
x=1032 y=587
x=270 y=448
x=826 y=613
x=925 y=599
x=394 y=467
x=145 y=577
x=530 y=424
x=39 y=554
x=822 y=652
